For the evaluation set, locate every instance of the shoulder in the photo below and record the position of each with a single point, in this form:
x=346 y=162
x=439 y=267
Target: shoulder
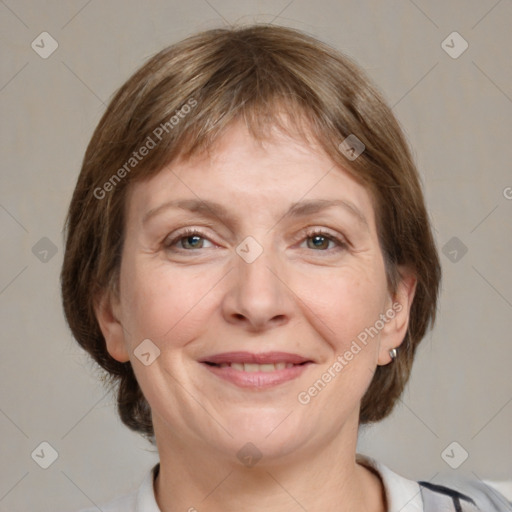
x=483 y=496
x=457 y=495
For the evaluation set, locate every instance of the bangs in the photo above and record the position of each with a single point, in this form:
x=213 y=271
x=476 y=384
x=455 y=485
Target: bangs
x=264 y=107
x=264 y=121
x=186 y=96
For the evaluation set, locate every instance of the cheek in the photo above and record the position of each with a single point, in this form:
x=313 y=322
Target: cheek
x=165 y=304
x=344 y=308
x=343 y=303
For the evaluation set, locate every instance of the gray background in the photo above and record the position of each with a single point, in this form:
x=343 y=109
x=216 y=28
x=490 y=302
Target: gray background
x=457 y=115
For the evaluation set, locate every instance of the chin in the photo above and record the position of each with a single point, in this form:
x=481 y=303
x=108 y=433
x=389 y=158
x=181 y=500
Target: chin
x=275 y=434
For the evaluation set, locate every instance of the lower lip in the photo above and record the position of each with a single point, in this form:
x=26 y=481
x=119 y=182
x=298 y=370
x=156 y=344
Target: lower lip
x=257 y=380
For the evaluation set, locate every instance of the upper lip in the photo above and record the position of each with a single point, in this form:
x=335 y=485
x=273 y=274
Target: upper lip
x=261 y=358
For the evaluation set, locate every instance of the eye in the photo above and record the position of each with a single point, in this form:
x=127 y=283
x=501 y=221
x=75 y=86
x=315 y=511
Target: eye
x=187 y=240
x=323 y=241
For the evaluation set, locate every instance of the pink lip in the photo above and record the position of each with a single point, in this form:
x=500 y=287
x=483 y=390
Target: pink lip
x=257 y=380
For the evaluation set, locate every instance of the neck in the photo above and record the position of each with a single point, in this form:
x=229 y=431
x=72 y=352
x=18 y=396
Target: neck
x=194 y=479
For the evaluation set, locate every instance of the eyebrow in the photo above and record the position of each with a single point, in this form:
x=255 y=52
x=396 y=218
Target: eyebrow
x=219 y=211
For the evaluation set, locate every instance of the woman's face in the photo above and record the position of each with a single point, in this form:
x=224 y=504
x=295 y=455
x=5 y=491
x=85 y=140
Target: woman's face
x=256 y=274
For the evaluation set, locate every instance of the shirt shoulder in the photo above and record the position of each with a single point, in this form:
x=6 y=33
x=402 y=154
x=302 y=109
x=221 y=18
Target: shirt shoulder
x=452 y=495
x=484 y=497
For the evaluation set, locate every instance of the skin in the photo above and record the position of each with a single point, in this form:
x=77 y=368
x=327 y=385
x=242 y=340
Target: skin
x=194 y=297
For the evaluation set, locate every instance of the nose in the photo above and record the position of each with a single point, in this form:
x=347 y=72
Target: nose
x=257 y=298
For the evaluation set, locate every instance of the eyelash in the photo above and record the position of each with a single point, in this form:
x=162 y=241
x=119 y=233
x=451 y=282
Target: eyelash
x=342 y=244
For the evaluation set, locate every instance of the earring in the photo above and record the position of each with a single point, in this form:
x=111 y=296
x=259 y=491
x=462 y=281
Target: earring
x=393 y=353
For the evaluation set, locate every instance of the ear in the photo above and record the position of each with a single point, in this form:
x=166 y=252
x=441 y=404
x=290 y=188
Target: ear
x=398 y=311
x=107 y=309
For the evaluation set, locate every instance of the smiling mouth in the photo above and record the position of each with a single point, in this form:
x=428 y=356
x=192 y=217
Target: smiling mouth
x=255 y=367
x=256 y=371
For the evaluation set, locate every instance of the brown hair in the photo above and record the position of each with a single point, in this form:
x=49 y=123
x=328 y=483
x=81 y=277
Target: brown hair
x=177 y=105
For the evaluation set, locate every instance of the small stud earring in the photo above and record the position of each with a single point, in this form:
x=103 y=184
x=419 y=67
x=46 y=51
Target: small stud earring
x=393 y=353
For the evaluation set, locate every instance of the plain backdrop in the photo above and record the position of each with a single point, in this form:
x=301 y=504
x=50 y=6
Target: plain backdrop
x=457 y=114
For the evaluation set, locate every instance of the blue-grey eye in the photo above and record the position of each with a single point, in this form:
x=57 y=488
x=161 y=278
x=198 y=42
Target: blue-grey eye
x=193 y=242
x=318 y=242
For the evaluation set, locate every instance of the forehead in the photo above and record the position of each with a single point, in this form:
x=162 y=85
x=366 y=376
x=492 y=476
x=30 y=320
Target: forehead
x=251 y=176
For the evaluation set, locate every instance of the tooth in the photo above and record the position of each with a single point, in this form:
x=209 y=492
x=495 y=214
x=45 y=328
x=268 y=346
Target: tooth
x=254 y=367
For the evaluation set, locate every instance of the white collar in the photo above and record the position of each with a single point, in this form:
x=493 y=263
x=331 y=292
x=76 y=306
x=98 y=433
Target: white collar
x=402 y=495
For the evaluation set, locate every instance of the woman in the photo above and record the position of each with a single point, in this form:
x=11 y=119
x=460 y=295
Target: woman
x=249 y=258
